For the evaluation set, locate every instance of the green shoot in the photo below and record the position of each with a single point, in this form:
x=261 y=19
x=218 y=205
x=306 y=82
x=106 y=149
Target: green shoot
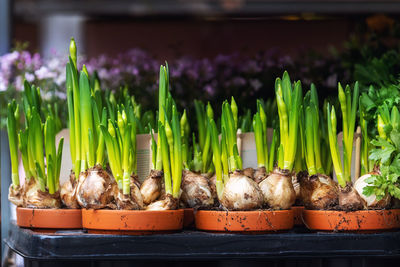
x=12 y=114
x=288 y=102
x=260 y=134
x=312 y=134
x=349 y=111
x=217 y=159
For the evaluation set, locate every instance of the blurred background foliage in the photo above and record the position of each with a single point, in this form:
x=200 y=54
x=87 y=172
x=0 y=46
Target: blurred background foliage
x=375 y=41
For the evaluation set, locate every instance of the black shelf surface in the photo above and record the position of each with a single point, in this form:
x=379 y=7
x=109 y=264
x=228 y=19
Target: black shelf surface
x=195 y=245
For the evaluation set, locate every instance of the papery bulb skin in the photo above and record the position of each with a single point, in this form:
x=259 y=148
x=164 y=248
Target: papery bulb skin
x=395 y=203
x=196 y=191
x=167 y=203
x=96 y=189
x=249 y=172
x=278 y=190
x=318 y=192
x=260 y=174
x=151 y=187
x=16 y=195
x=349 y=199
x=296 y=184
x=68 y=193
x=212 y=183
x=132 y=201
x=35 y=198
x=241 y=193
x=371 y=201
x=207 y=175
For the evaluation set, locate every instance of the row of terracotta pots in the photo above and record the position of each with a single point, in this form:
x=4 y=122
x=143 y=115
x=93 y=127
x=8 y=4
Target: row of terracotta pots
x=145 y=222
x=148 y=222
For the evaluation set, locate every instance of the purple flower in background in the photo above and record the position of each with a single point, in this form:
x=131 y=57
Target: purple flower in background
x=211 y=88
x=206 y=78
x=238 y=81
x=285 y=61
x=135 y=71
x=36 y=61
x=251 y=66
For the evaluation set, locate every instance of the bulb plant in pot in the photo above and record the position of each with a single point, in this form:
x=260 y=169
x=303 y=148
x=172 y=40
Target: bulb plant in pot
x=317 y=189
x=354 y=210
x=38 y=199
x=197 y=186
x=134 y=208
x=89 y=182
x=250 y=200
x=277 y=187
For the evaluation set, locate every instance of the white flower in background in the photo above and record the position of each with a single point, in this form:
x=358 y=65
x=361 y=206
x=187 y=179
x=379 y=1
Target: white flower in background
x=331 y=81
x=46 y=95
x=3 y=84
x=29 y=77
x=60 y=79
x=8 y=59
x=61 y=95
x=256 y=84
x=19 y=85
x=53 y=63
x=45 y=73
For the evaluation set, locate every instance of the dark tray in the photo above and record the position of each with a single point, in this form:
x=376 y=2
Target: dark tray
x=194 y=245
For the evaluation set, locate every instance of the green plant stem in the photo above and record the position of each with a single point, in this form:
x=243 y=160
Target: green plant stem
x=13 y=141
x=217 y=159
x=334 y=147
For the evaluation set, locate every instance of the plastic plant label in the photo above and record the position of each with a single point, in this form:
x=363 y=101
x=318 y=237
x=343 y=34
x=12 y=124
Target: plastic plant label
x=247 y=147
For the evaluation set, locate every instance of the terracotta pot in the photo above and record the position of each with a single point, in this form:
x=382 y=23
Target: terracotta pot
x=136 y=222
x=362 y=220
x=244 y=221
x=298 y=215
x=49 y=218
x=188 y=219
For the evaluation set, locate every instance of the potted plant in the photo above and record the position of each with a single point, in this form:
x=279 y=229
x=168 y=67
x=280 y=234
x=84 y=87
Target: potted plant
x=38 y=199
x=358 y=207
x=198 y=168
x=254 y=201
x=317 y=189
x=134 y=208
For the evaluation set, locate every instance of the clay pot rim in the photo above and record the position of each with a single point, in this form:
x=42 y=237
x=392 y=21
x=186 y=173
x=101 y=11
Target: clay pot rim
x=146 y=221
x=52 y=209
x=368 y=221
x=254 y=221
x=245 y=211
x=132 y=211
x=361 y=212
x=49 y=218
